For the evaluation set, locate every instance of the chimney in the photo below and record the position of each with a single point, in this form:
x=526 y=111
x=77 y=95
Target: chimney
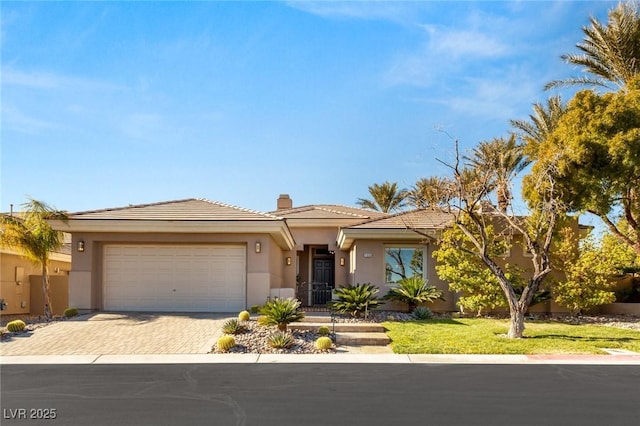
x=284 y=202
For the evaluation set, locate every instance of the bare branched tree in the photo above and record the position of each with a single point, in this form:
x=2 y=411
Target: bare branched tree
x=473 y=215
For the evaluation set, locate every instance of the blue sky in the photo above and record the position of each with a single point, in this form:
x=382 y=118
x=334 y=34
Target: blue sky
x=106 y=104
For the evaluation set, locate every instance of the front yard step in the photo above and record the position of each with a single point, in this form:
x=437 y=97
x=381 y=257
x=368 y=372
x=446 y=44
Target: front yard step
x=339 y=327
x=317 y=318
x=361 y=339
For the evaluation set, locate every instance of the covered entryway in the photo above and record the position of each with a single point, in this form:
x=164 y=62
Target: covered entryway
x=174 y=278
x=317 y=273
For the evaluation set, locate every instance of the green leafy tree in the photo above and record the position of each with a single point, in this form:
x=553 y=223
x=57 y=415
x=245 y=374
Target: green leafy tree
x=458 y=264
x=609 y=53
x=385 y=197
x=589 y=270
x=594 y=157
x=29 y=232
x=474 y=218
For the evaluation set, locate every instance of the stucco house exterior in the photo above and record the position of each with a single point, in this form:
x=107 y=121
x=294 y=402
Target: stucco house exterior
x=21 y=282
x=196 y=255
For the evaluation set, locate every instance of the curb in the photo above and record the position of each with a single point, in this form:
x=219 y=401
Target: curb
x=321 y=358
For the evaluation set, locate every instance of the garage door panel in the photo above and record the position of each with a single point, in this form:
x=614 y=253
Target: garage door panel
x=174 y=278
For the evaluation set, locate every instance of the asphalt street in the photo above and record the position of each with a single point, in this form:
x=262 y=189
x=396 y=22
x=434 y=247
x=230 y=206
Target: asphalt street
x=320 y=394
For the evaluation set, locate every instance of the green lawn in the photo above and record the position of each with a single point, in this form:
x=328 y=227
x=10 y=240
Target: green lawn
x=486 y=336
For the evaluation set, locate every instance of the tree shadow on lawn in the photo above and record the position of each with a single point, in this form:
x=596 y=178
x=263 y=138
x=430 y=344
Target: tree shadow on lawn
x=430 y=322
x=444 y=321
x=585 y=338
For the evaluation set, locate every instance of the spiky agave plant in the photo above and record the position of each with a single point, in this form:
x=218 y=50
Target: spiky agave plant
x=233 y=326
x=280 y=340
x=414 y=291
x=281 y=312
x=356 y=299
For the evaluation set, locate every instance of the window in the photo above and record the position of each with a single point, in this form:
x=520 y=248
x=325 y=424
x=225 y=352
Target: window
x=403 y=262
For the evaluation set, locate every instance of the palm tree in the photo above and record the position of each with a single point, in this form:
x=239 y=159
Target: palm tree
x=430 y=192
x=502 y=159
x=542 y=123
x=385 y=197
x=609 y=53
x=30 y=233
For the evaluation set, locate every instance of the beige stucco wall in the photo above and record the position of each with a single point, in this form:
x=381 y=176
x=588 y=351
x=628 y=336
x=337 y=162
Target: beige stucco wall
x=17 y=294
x=316 y=236
x=369 y=268
x=59 y=294
x=264 y=269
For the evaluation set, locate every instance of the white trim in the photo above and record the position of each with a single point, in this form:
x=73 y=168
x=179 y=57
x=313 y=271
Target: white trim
x=347 y=236
x=278 y=229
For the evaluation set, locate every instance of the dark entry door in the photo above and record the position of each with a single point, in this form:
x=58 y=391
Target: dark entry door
x=322 y=281
x=323 y=271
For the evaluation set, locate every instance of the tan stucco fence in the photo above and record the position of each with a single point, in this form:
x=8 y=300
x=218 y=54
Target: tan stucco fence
x=21 y=285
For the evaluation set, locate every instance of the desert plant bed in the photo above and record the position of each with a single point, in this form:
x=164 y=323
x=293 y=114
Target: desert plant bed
x=255 y=339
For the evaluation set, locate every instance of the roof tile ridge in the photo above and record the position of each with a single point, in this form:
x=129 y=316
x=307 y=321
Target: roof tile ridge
x=360 y=208
x=327 y=207
x=131 y=206
x=243 y=209
x=296 y=209
x=388 y=216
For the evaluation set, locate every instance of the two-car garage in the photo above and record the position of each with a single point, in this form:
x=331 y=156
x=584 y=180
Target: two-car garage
x=190 y=255
x=174 y=278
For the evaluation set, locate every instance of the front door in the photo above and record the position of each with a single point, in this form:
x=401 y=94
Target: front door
x=323 y=271
x=322 y=281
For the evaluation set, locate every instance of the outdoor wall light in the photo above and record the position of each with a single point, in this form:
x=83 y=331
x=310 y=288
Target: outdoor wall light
x=342 y=261
x=258 y=247
x=80 y=246
x=288 y=260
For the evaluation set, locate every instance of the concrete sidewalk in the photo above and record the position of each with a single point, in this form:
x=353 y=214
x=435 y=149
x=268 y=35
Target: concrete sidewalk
x=138 y=338
x=323 y=358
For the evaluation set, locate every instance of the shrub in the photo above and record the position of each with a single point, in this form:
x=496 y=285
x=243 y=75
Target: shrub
x=354 y=300
x=232 y=326
x=225 y=343
x=324 y=343
x=281 y=312
x=254 y=309
x=70 y=312
x=323 y=330
x=244 y=316
x=280 y=340
x=414 y=291
x=16 y=326
x=422 y=313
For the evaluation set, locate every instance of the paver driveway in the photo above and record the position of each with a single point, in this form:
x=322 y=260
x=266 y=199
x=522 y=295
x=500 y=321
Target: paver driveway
x=121 y=333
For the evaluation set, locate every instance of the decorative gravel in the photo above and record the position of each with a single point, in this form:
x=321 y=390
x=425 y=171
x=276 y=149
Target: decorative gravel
x=254 y=340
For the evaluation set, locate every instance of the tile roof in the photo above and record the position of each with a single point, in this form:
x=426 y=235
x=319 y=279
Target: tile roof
x=327 y=211
x=418 y=219
x=192 y=209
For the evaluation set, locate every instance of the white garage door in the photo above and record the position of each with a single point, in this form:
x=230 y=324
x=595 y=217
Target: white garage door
x=174 y=278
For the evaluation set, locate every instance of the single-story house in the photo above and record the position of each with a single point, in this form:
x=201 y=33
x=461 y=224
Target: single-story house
x=196 y=255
